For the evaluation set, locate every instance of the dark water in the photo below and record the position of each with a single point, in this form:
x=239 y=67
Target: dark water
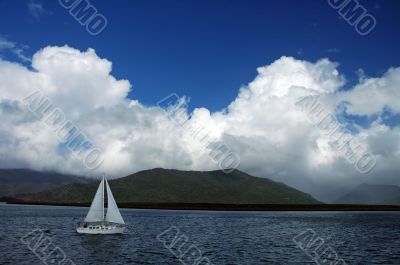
x=223 y=237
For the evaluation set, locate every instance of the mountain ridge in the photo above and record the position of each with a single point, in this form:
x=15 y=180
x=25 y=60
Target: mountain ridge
x=16 y=181
x=379 y=194
x=175 y=186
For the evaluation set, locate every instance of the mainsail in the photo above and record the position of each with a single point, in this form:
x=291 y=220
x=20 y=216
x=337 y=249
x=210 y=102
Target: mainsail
x=96 y=211
x=113 y=214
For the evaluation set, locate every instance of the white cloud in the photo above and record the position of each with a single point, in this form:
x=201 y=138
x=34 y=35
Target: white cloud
x=273 y=138
x=6 y=44
x=373 y=95
x=37 y=10
x=14 y=48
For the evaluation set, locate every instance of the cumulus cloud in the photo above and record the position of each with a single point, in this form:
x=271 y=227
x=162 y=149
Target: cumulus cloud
x=272 y=136
x=373 y=95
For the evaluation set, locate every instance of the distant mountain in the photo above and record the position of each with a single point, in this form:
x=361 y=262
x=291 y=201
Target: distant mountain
x=174 y=186
x=393 y=201
x=372 y=194
x=16 y=181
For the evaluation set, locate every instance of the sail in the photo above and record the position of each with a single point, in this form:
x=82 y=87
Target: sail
x=96 y=211
x=113 y=214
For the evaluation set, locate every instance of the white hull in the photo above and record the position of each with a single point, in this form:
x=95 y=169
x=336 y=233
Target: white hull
x=105 y=230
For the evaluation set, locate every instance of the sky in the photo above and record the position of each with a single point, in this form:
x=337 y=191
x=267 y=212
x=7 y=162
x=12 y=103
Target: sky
x=239 y=67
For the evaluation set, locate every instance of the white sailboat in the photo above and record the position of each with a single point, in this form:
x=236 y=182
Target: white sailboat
x=95 y=221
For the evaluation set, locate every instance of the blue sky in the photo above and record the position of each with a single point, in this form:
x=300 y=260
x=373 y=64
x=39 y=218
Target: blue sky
x=208 y=49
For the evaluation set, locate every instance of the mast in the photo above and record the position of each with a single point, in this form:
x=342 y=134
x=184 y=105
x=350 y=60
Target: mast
x=103 y=197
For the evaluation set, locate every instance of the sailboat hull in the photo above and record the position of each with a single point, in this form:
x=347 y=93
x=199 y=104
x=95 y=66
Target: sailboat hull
x=105 y=230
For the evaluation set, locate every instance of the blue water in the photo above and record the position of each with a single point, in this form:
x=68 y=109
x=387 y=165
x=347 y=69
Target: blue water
x=222 y=237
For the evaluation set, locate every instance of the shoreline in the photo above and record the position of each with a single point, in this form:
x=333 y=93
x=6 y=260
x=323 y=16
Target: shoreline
x=229 y=207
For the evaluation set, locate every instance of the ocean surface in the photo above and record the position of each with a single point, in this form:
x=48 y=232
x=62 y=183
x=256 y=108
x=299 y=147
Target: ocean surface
x=218 y=237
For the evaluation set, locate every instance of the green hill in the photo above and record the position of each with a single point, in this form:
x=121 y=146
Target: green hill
x=174 y=186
